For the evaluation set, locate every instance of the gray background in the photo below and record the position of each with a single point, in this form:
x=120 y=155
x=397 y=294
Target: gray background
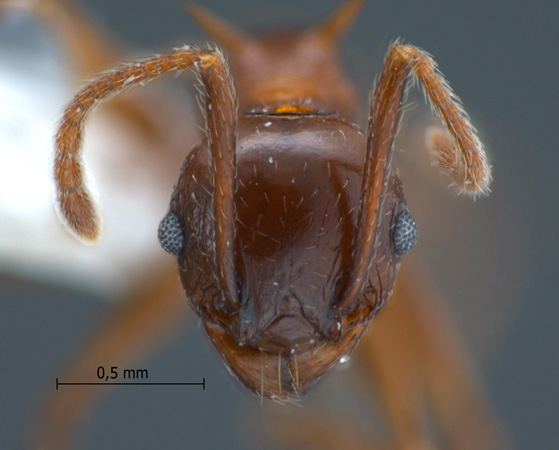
x=495 y=260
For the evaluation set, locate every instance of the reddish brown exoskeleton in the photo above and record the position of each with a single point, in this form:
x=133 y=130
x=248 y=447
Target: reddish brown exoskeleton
x=288 y=221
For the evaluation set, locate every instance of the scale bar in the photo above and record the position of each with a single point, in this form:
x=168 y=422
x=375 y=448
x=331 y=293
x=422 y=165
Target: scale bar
x=202 y=383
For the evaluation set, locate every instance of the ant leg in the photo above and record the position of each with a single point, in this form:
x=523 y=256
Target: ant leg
x=452 y=384
x=415 y=356
x=459 y=150
x=90 y=47
x=146 y=319
x=387 y=359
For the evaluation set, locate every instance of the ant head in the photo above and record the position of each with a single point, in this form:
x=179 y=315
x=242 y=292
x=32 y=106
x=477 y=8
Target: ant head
x=299 y=181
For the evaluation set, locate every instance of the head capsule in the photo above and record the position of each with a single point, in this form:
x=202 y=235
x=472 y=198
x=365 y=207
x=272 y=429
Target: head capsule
x=298 y=190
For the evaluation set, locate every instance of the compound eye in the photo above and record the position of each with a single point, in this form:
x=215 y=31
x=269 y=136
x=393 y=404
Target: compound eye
x=171 y=234
x=405 y=233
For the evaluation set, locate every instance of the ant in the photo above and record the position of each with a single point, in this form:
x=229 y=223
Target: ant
x=288 y=221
